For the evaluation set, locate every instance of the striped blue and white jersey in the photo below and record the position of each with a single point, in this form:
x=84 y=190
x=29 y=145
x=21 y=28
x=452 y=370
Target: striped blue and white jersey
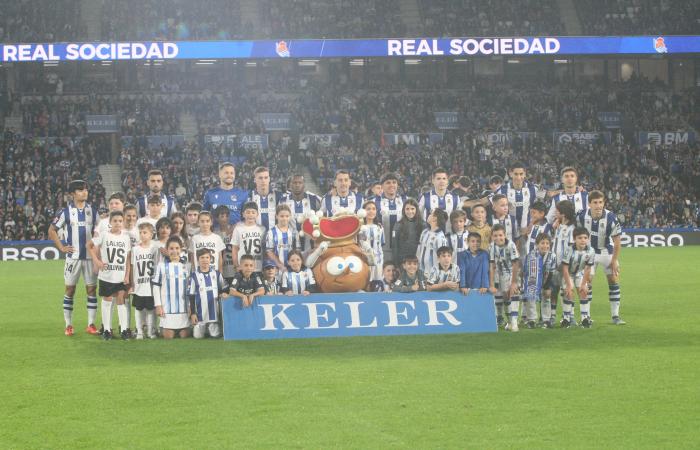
x=309 y=204
x=272 y=287
x=282 y=242
x=439 y=275
x=204 y=290
x=578 y=260
x=503 y=257
x=170 y=286
x=331 y=204
x=429 y=201
x=77 y=225
x=563 y=239
x=169 y=206
x=374 y=234
x=267 y=207
x=520 y=200
x=389 y=212
x=298 y=282
x=602 y=230
x=510 y=224
x=536 y=230
x=458 y=243
x=579 y=199
x=428 y=245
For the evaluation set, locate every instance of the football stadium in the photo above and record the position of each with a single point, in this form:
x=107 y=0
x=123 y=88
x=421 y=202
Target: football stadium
x=349 y=223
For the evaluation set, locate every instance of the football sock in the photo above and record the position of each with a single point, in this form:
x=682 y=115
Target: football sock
x=92 y=309
x=127 y=303
x=150 y=321
x=545 y=309
x=121 y=312
x=614 y=295
x=499 y=305
x=514 y=306
x=567 y=309
x=68 y=310
x=585 y=309
x=107 y=315
x=531 y=310
x=138 y=315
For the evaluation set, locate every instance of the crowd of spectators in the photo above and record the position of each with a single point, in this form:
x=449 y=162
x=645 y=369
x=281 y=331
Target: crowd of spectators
x=189 y=170
x=314 y=19
x=490 y=18
x=65 y=115
x=634 y=17
x=41 y=21
x=34 y=178
x=648 y=186
x=173 y=19
x=49 y=21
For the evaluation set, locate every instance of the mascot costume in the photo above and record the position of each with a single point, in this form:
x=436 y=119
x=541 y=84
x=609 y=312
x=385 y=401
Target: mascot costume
x=339 y=264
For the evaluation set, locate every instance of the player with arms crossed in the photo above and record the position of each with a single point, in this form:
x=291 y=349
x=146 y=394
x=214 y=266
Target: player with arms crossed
x=77 y=221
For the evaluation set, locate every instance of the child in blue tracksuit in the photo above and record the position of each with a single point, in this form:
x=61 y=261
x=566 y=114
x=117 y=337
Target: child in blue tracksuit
x=474 y=266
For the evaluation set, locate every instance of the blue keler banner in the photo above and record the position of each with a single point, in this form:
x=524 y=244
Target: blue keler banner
x=359 y=314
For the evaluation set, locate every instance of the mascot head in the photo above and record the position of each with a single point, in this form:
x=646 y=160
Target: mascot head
x=343 y=266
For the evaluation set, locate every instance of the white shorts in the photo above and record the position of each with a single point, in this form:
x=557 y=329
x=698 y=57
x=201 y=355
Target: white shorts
x=74 y=267
x=201 y=329
x=604 y=260
x=175 y=321
x=503 y=284
x=577 y=279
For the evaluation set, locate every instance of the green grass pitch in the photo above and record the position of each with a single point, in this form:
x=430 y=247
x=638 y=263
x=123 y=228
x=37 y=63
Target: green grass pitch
x=608 y=387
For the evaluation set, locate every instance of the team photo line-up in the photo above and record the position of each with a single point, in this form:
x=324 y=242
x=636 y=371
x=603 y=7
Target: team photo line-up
x=523 y=244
